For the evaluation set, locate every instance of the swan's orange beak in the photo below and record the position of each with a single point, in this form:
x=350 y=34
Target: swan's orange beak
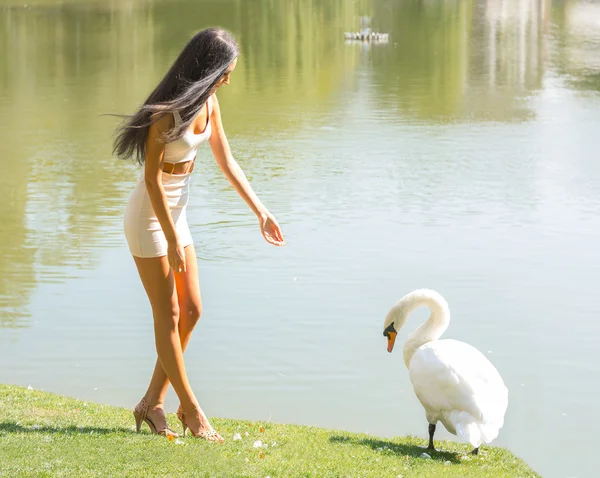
x=391 y=336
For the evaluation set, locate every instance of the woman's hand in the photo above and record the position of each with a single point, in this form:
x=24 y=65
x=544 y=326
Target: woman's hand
x=270 y=229
x=176 y=256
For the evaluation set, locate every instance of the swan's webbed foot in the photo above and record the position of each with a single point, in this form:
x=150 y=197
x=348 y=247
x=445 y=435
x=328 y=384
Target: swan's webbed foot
x=475 y=451
x=431 y=432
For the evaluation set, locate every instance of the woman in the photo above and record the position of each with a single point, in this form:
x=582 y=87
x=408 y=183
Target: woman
x=164 y=136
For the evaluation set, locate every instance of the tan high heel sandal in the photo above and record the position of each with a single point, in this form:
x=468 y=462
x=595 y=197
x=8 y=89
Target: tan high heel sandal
x=140 y=414
x=210 y=435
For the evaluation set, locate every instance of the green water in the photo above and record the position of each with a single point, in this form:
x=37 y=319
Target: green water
x=460 y=156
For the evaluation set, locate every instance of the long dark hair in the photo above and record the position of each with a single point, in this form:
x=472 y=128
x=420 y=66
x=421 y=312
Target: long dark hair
x=184 y=89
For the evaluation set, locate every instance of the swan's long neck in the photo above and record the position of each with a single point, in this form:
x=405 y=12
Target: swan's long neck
x=430 y=330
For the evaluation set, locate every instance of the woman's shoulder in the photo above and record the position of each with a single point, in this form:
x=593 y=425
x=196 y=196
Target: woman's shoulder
x=163 y=121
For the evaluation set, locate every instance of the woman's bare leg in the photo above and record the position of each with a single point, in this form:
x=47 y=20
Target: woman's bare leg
x=190 y=309
x=185 y=300
x=159 y=284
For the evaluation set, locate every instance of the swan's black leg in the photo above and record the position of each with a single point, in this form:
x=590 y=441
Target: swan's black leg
x=431 y=432
x=475 y=451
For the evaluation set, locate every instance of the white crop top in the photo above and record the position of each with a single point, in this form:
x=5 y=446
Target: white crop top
x=186 y=147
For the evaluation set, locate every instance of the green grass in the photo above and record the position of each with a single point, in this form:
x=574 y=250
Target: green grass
x=42 y=434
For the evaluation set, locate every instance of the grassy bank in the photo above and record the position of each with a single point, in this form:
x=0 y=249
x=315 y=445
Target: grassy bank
x=43 y=434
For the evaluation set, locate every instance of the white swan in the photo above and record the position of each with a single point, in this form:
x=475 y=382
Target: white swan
x=456 y=384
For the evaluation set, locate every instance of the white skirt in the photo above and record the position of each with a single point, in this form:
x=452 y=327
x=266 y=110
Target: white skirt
x=143 y=232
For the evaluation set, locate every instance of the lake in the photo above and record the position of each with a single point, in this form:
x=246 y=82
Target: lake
x=461 y=155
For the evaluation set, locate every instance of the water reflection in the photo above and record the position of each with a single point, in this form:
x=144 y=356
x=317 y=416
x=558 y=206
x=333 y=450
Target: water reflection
x=577 y=38
x=17 y=272
x=58 y=172
x=461 y=60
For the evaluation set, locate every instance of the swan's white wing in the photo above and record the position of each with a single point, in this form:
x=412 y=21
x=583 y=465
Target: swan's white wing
x=458 y=385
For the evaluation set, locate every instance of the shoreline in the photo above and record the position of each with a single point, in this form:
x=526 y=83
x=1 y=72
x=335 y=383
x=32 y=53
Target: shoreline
x=43 y=432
